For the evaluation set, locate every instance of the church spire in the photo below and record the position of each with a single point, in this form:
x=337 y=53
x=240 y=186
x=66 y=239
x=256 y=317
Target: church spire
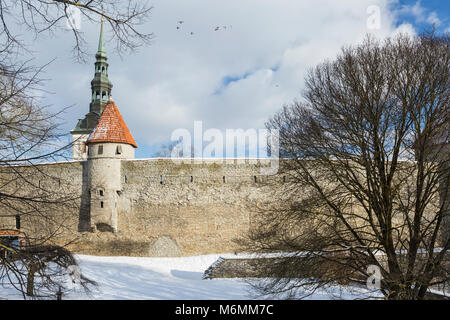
x=101 y=43
x=100 y=90
x=100 y=85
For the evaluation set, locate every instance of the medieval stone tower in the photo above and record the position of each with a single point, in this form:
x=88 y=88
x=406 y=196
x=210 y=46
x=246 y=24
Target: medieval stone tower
x=108 y=144
x=103 y=139
x=100 y=93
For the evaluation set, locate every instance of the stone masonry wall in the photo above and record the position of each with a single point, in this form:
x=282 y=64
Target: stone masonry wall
x=60 y=183
x=164 y=208
x=193 y=209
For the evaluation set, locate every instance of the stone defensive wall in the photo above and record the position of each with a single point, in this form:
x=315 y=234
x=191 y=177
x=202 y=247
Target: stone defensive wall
x=165 y=208
x=171 y=208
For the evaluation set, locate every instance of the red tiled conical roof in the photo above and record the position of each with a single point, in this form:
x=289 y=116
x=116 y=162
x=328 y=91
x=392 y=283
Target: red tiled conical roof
x=111 y=127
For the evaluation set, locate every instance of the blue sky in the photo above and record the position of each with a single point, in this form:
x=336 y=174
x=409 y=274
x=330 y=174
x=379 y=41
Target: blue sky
x=228 y=78
x=440 y=7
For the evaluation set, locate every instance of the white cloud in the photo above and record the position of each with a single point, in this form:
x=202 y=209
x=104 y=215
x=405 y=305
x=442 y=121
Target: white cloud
x=265 y=46
x=433 y=19
x=404 y=28
x=271 y=43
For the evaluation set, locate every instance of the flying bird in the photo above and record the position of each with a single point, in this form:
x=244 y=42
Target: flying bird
x=217 y=28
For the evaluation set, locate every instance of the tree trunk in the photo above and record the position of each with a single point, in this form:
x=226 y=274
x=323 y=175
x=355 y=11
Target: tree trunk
x=30 y=279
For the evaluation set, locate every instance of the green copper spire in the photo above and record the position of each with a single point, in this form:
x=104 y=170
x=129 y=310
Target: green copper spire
x=100 y=88
x=100 y=85
x=101 y=43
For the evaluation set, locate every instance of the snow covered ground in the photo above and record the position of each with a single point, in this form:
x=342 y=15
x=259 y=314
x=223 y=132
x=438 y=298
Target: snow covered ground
x=168 y=278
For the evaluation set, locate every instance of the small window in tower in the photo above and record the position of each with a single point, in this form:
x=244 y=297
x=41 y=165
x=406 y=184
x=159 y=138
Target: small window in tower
x=103 y=69
x=224 y=179
x=101 y=204
x=100 y=149
x=97 y=94
x=104 y=95
x=17 y=222
x=192 y=179
x=101 y=193
x=119 y=150
x=88 y=151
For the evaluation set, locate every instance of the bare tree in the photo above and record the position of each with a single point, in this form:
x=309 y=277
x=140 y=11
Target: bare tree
x=170 y=149
x=41 y=198
x=368 y=150
x=43 y=272
x=42 y=16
